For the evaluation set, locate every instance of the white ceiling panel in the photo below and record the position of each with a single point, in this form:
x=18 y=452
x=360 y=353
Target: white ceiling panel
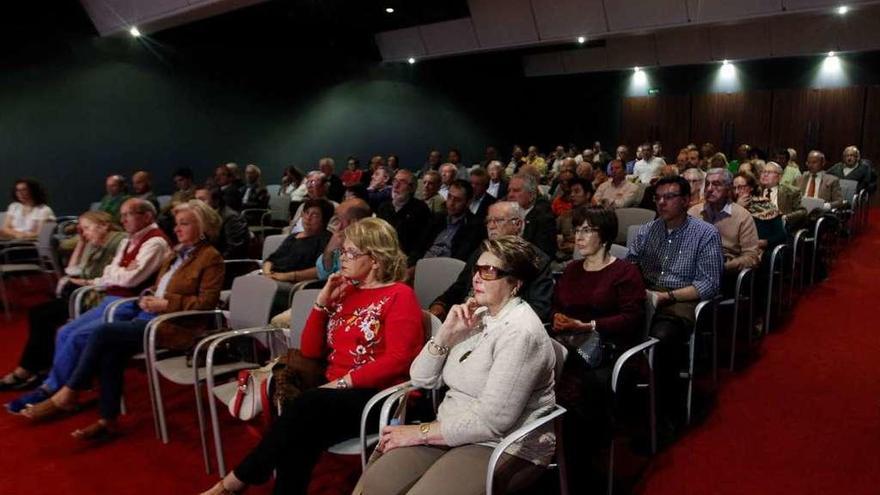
x=862 y=31
x=724 y=10
x=683 y=46
x=806 y=34
x=585 y=60
x=108 y=15
x=741 y=41
x=631 y=51
x=831 y=5
x=543 y=64
x=624 y=15
x=557 y=19
x=400 y=44
x=502 y=23
x=449 y=37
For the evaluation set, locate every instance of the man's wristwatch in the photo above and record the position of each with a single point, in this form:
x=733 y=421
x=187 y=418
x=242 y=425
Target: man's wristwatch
x=425 y=428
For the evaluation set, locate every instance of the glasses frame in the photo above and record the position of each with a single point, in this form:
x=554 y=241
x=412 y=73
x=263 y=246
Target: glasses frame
x=346 y=254
x=495 y=272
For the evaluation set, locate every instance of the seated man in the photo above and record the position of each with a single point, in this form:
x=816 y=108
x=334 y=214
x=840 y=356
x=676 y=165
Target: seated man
x=580 y=194
x=786 y=198
x=408 y=215
x=790 y=170
x=336 y=189
x=430 y=193
x=739 y=236
x=497 y=181
x=183 y=187
x=479 y=204
x=225 y=180
x=818 y=184
x=142 y=187
x=681 y=261
x=649 y=166
x=132 y=270
x=317 y=186
x=347 y=213
x=448 y=173
x=234 y=238
x=457 y=233
x=617 y=192
x=254 y=195
x=540 y=227
x=853 y=167
x=379 y=190
x=504 y=218
x=116 y=195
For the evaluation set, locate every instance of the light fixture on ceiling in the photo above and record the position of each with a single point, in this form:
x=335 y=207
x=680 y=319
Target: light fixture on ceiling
x=134 y=31
x=389 y=10
x=581 y=40
x=727 y=69
x=640 y=79
x=637 y=69
x=411 y=60
x=842 y=10
x=831 y=54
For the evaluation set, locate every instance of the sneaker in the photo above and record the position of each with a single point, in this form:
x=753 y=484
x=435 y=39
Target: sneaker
x=35 y=397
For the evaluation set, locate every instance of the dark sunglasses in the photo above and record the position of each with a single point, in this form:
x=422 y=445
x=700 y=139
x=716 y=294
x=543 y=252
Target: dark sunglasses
x=489 y=272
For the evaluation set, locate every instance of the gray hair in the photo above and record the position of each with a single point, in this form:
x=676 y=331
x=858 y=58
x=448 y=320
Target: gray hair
x=514 y=210
x=530 y=184
x=254 y=167
x=773 y=165
x=694 y=171
x=853 y=148
x=724 y=173
x=431 y=173
x=142 y=206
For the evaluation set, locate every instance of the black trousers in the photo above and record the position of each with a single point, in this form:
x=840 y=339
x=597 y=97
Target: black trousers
x=309 y=424
x=44 y=320
x=673 y=333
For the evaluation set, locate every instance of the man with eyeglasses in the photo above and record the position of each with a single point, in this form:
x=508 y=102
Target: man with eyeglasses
x=854 y=167
x=739 y=236
x=317 y=186
x=409 y=216
x=681 y=260
x=504 y=218
x=786 y=198
x=458 y=232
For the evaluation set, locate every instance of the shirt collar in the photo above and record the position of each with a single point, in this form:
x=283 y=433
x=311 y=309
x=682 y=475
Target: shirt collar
x=140 y=233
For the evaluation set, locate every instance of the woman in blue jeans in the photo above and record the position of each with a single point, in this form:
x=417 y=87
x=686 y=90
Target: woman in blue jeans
x=190 y=280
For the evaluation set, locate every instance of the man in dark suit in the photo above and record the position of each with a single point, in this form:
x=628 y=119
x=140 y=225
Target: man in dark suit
x=540 y=228
x=458 y=232
x=336 y=190
x=786 y=198
x=853 y=167
x=409 y=216
x=479 y=204
x=225 y=180
x=816 y=183
x=497 y=181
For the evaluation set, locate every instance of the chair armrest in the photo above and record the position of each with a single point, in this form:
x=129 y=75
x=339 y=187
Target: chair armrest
x=150 y=331
x=110 y=310
x=22 y=247
x=213 y=341
x=626 y=356
x=368 y=408
x=514 y=436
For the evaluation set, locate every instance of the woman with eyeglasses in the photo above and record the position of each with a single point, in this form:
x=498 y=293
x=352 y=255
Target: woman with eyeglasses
x=498 y=362
x=768 y=219
x=367 y=324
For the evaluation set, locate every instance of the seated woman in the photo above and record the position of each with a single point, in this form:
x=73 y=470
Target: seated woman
x=189 y=280
x=27 y=212
x=99 y=239
x=367 y=324
x=498 y=362
x=768 y=219
x=294 y=260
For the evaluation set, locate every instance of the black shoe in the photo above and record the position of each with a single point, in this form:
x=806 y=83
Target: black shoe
x=15 y=382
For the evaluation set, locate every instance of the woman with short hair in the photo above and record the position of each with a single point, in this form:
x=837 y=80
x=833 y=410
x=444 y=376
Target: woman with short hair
x=189 y=280
x=27 y=212
x=367 y=324
x=498 y=362
x=294 y=260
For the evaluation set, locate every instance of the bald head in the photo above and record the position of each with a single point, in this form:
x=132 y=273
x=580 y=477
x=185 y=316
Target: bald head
x=815 y=161
x=115 y=185
x=141 y=182
x=351 y=210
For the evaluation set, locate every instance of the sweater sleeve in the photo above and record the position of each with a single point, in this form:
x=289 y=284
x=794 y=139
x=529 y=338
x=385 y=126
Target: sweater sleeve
x=427 y=369
x=629 y=291
x=518 y=369
x=404 y=337
x=314 y=337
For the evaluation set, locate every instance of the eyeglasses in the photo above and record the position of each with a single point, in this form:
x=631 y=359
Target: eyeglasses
x=585 y=230
x=351 y=254
x=493 y=221
x=489 y=272
x=742 y=186
x=666 y=197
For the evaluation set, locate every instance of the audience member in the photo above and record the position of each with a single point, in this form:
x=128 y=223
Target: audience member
x=499 y=366
x=694 y=161
x=99 y=240
x=190 y=280
x=142 y=187
x=854 y=167
x=505 y=218
x=367 y=325
x=293 y=184
x=739 y=237
x=353 y=172
x=786 y=198
x=768 y=220
x=600 y=156
x=561 y=199
x=379 y=189
x=580 y=194
x=718 y=160
x=430 y=193
x=617 y=192
x=234 y=237
x=647 y=200
x=457 y=233
x=540 y=227
x=348 y=212
x=818 y=184
x=317 y=184
x=490 y=155
x=116 y=195
x=707 y=151
x=435 y=159
x=649 y=166
x=742 y=156
x=224 y=179
x=623 y=154
x=356 y=191
x=497 y=180
x=408 y=215
x=658 y=150
x=790 y=169
x=336 y=189
x=393 y=164
x=454 y=157
x=681 y=160
x=479 y=204
x=448 y=173
x=27 y=212
x=697 y=179
x=535 y=160
x=183 y=187
x=254 y=194
x=517 y=160
x=294 y=260
x=556 y=160
x=133 y=267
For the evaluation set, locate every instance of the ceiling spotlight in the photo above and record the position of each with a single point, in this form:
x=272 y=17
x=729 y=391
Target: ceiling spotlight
x=582 y=40
x=637 y=69
x=134 y=31
x=842 y=10
x=389 y=10
x=411 y=60
x=831 y=54
x=725 y=62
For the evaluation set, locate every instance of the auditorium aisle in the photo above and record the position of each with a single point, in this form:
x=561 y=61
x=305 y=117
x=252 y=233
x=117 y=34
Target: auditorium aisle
x=805 y=416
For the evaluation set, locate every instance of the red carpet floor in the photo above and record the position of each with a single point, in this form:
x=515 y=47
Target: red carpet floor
x=802 y=418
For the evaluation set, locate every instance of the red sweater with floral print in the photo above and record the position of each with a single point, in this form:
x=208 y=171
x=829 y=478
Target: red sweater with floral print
x=374 y=334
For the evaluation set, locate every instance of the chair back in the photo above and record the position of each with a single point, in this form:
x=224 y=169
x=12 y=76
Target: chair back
x=273 y=189
x=561 y=353
x=433 y=276
x=631 y=216
x=619 y=251
x=812 y=203
x=250 y=304
x=430 y=324
x=849 y=188
x=650 y=309
x=300 y=307
x=271 y=244
x=279 y=205
x=631 y=233
x=45 y=249
x=164 y=201
x=2 y=217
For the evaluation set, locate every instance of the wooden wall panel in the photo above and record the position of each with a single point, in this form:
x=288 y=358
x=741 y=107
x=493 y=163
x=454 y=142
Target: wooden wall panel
x=730 y=119
x=871 y=132
x=812 y=118
x=663 y=118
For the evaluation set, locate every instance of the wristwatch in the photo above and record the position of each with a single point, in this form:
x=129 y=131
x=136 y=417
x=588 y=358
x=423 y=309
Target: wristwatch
x=425 y=428
x=341 y=384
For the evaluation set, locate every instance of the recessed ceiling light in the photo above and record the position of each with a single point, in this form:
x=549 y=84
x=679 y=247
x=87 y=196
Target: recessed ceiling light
x=831 y=54
x=411 y=60
x=842 y=10
x=582 y=39
x=134 y=31
x=389 y=10
x=637 y=69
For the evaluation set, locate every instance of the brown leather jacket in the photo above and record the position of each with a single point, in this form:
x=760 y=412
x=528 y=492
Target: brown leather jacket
x=195 y=285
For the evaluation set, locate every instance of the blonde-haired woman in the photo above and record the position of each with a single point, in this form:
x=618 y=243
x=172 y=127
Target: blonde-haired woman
x=367 y=323
x=191 y=279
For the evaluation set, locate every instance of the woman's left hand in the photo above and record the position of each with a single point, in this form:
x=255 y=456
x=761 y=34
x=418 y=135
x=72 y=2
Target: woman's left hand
x=153 y=304
x=393 y=437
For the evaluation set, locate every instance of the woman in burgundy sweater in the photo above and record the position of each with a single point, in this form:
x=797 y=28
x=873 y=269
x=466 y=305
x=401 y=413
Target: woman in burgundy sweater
x=368 y=325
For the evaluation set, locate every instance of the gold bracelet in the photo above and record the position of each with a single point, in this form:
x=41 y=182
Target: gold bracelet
x=321 y=307
x=441 y=350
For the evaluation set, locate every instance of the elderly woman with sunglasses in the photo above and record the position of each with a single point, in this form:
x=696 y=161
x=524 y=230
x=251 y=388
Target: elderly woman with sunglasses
x=498 y=362
x=367 y=324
